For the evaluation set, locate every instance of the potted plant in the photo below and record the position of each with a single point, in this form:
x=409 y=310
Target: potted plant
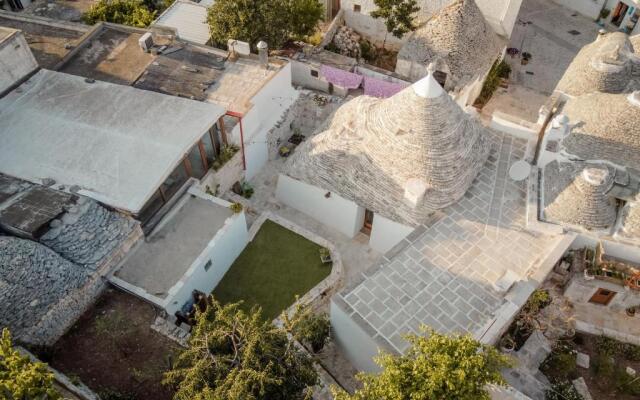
x=507 y=344
x=284 y=151
x=325 y=255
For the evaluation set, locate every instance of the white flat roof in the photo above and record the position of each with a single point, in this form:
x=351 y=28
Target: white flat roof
x=117 y=143
x=189 y=19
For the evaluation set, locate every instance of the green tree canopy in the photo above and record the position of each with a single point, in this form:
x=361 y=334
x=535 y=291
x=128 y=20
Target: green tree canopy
x=435 y=367
x=125 y=12
x=20 y=378
x=274 y=21
x=398 y=15
x=234 y=355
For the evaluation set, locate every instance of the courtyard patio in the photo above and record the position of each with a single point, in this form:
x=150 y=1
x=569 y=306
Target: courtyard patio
x=274 y=268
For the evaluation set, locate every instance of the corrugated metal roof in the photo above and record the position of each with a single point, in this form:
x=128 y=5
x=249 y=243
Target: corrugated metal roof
x=189 y=19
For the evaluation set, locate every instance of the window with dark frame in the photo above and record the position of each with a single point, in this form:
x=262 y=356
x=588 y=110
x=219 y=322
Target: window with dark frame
x=356 y=8
x=314 y=73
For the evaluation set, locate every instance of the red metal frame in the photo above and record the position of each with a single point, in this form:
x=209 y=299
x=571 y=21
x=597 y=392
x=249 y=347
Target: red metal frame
x=239 y=116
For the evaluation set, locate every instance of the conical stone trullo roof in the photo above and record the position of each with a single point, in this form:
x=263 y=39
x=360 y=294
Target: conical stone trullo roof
x=458 y=39
x=402 y=157
x=608 y=65
x=575 y=193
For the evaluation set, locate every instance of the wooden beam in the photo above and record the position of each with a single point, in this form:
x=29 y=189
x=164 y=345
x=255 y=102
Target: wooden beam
x=223 y=132
x=187 y=166
x=203 y=155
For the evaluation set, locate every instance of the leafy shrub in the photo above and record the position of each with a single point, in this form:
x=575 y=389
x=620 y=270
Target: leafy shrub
x=562 y=391
x=434 y=367
x=367 y=50
x=500 y=69
x=626 y=383
x=538 y=300
x=126 y=12
x=226 y=153
x=561 y=362
x=607 y=346
x=308 y=327
x=631 y=352
x=315 y=39
x=20 y=378
x=603 y=365
x=236 y=208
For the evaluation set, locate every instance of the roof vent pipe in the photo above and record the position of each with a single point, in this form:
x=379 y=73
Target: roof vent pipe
x=263 y=53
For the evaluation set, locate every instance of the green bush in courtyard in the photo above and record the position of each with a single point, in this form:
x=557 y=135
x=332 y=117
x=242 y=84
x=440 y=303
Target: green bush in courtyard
x=20 y=378
x=435 y=367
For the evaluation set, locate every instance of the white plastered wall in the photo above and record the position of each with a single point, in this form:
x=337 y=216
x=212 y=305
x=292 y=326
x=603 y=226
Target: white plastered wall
x=268 y=106
x=222 y=251
x=334 y=211
x=16 y=60
x=358 y=345
x=386 y=233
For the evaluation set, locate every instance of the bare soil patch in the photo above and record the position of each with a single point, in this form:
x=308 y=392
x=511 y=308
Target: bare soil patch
x=113 y=350
x=601 y=386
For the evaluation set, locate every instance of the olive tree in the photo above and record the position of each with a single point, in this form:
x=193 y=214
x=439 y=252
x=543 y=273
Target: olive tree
x=435 y=367
x=274 y=21
x=398 y=16
x=234 y=355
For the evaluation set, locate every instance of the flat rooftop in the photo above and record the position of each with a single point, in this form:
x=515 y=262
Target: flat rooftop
x=164 y=257
x=49 y=40
x=446 y=274
x=117 y=144
x=189 y=19
x=173 y=67
x=5 y=33
x=111 y=55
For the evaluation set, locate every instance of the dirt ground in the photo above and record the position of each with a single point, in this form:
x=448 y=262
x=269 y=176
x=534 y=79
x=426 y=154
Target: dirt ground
x=113 y=350
x=601 y=388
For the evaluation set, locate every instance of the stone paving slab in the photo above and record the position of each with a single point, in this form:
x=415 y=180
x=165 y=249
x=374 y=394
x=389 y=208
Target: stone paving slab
x=445 y=278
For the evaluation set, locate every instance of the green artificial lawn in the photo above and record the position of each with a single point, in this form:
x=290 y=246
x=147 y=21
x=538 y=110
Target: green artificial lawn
x=275 y=267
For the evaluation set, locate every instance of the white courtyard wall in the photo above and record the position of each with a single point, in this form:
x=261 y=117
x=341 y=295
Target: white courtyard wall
x=16 y=61
x=367 y=26
x=386 y=233
x=358 y=346
x=222 y=251
x=588 y=8
x=268 y=106
x=501 y=14
x=301 y=76
x=615 y=249
x=335 y=211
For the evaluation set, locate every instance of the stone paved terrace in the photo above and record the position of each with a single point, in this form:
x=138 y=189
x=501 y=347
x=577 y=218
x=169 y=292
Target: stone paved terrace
x=445 y=276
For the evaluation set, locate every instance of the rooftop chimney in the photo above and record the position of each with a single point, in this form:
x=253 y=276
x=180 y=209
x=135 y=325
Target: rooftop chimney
x=263 y=53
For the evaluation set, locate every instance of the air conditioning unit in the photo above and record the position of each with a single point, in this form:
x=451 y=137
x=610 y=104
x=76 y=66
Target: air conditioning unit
x=146 y=42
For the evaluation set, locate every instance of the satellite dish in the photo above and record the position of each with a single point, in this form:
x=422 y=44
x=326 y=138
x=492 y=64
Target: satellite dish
x=241 y=48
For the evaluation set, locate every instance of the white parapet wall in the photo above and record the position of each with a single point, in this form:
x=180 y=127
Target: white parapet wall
x=332 y=210
x=16 y=59
x=267 y=107
x=358 y=345
x=212 y=264
x=385 y=233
